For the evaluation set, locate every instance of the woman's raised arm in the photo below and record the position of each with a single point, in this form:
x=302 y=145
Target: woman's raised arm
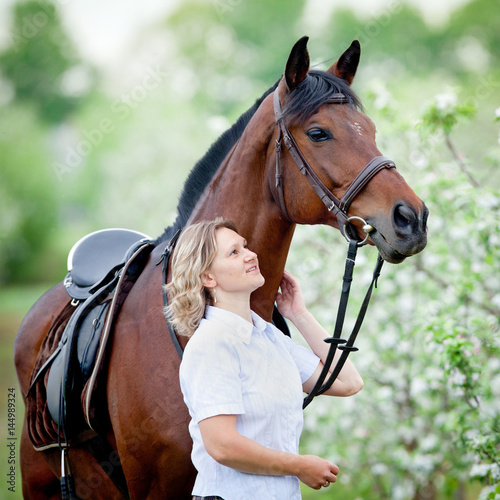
x=292 y=306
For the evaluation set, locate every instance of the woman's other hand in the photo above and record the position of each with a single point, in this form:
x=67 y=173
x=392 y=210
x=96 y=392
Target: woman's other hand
x=290 y=300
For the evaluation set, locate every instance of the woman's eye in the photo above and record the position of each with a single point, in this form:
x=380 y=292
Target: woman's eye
x=318 y=135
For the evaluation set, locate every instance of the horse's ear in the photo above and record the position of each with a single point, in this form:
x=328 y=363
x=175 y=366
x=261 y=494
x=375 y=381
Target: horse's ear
x=297 y=65
x=347 y=64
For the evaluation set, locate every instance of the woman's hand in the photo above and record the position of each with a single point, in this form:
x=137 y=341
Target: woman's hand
x=227 y=446
x=317 y=472
x=291 y=305
x=290 y=301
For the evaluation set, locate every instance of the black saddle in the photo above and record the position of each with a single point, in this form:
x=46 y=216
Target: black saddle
x=95 y=264
x=95 y=258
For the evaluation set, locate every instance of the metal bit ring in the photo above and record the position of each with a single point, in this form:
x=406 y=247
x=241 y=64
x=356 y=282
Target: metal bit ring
x=367 y=228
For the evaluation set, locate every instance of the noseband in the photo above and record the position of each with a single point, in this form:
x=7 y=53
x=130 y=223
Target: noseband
x=339 y=207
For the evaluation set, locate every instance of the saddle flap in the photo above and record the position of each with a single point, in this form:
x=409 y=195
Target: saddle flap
x=67 y=371
x=54 y=387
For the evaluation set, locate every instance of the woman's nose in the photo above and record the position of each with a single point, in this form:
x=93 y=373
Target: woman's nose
x=250 y=255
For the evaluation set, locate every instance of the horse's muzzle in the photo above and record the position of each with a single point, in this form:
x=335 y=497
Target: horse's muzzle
x=405 y=234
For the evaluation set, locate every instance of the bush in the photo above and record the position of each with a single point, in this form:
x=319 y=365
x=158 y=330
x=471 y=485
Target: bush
x=428 y=420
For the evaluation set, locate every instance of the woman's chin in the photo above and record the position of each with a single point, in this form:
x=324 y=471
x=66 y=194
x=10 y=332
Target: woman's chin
x=260 y=281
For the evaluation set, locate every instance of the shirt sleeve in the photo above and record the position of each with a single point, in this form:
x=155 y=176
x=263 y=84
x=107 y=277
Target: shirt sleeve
x=304 y=358
x=210 y=377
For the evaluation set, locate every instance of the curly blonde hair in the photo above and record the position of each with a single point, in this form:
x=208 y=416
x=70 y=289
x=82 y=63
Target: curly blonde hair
x=193 y=255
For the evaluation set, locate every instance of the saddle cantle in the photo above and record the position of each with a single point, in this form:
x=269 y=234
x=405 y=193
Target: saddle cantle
x=95 y=258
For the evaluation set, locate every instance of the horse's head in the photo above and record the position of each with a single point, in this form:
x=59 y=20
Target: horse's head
x=323 y=117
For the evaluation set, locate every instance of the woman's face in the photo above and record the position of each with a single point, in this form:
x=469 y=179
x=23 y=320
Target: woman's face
x=235 y=268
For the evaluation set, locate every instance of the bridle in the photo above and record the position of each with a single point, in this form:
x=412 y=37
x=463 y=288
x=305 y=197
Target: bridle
x=339 y=207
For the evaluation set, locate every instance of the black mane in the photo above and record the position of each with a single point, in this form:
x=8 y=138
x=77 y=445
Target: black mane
x=304 y=101
x=204 y=170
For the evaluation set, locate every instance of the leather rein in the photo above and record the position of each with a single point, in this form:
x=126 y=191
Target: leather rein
x=339 y=207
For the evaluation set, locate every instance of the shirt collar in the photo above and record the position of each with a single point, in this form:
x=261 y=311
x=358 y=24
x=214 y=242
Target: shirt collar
x=262 y=326
x=239 y=326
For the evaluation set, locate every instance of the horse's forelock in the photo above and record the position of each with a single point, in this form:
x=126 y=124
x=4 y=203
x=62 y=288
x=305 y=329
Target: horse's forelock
x=313 y=92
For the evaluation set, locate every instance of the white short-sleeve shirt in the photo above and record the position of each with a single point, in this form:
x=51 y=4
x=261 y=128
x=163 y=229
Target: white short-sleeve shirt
x=231 y=367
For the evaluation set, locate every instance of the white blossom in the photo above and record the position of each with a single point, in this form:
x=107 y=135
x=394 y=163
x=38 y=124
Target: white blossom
x=379 y=469
x=446 y=100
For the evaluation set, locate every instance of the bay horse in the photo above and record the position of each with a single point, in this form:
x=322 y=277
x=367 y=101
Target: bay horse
x=237 y=179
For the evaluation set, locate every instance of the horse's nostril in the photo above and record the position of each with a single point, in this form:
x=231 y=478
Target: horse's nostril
x=404 y=218
x=425 y=216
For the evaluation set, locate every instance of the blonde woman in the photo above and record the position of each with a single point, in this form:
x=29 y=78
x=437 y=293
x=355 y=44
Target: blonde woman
x=242 y=379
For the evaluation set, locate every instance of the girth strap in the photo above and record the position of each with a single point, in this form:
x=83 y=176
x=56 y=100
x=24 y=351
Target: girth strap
x=165 y=256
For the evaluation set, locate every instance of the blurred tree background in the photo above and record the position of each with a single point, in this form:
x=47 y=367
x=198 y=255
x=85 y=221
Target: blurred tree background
x=86 y=145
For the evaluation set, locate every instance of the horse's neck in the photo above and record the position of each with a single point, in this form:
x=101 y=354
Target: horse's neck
x=241 y=191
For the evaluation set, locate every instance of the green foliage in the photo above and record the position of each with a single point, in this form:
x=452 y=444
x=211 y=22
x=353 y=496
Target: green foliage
x=398 y=38
x=443 y=116
x=415 y=45
x=230 y=58
x=39 y=57
x=28 y=201
x=427 y=423
x=42 y=68
x=476 y=20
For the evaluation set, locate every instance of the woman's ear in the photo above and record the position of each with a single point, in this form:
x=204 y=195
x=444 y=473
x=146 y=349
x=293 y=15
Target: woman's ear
x=208 y=280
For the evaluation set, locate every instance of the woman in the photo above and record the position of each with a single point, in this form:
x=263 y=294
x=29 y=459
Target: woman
x=242 y=379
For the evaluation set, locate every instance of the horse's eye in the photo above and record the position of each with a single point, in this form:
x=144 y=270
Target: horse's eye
x=319 y=134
